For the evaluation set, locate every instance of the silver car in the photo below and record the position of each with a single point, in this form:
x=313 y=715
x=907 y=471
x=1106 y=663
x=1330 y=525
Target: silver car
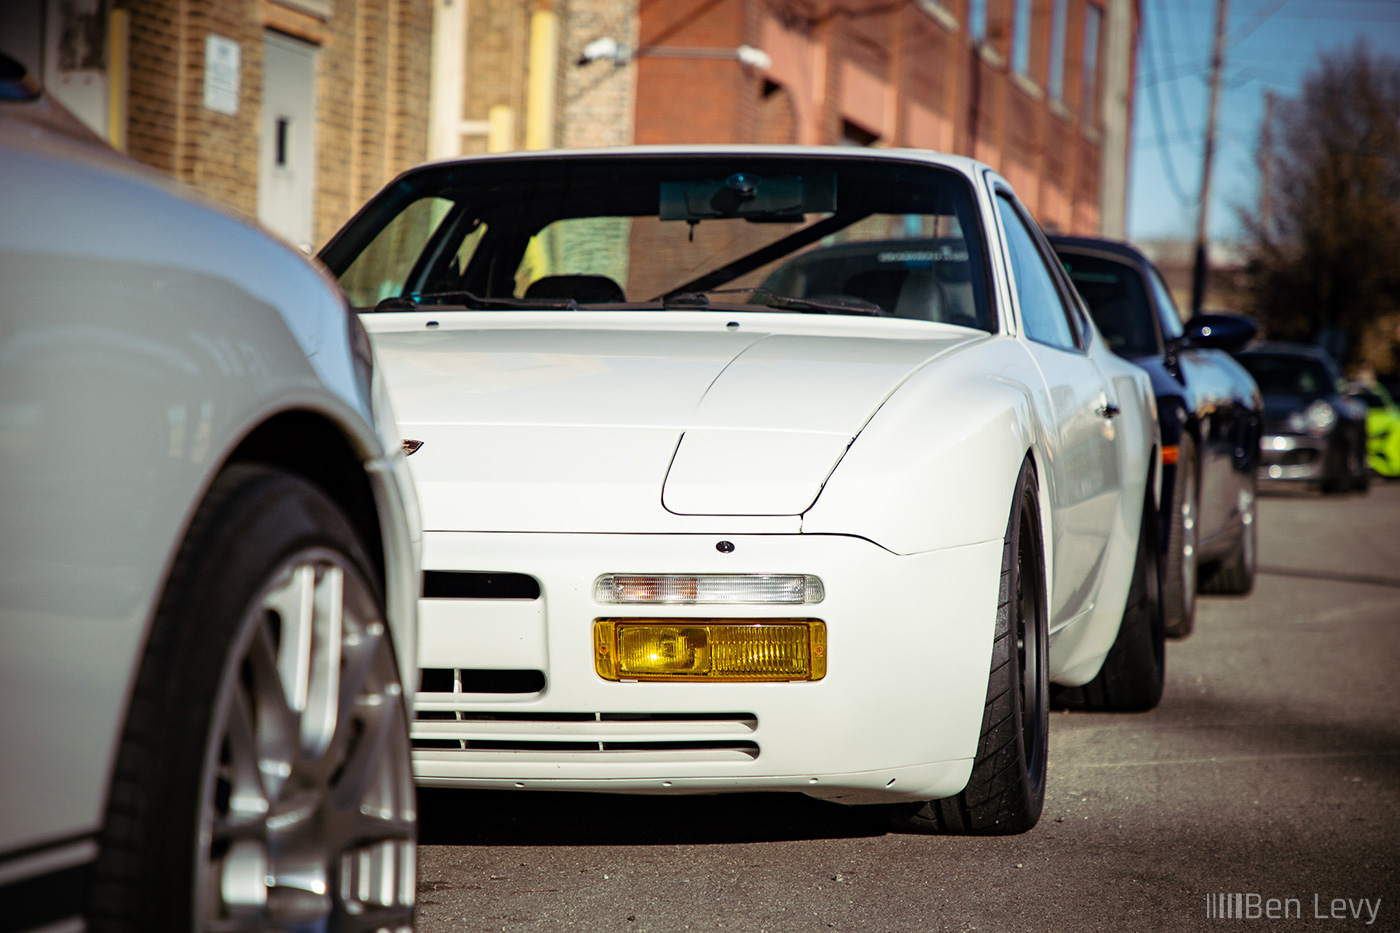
x=207 y=558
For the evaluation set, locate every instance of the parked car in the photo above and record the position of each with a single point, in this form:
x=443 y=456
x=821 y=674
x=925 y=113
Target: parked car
x=1382 y=428
x=1211 y=416
x=207 y=557
x=686 y=533
x=1313 y=431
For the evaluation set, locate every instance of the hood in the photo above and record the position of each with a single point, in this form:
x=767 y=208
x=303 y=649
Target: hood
x=1278 y=406
x=613 y=428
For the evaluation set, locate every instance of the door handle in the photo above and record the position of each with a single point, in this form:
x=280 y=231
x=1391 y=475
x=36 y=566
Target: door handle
x=1109 y=411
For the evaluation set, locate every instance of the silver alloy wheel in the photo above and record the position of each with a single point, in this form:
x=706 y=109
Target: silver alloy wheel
x=1188 y=544
x=308 y=817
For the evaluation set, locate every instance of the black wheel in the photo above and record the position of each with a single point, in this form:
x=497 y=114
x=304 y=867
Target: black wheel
x=1233 y=574
x=1336 y=475
x=1133 y=674
x=1179 y=578
x=1361 y=471
x=1006 y=790
x=263 y=778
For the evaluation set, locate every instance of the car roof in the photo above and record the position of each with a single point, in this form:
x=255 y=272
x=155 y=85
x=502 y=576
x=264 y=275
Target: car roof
x=969 y=167
x=1098 y=245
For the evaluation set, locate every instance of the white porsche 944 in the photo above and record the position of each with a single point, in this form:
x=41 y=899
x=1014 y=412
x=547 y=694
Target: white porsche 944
x=742 y=469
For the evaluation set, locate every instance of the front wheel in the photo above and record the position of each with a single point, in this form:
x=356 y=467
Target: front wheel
x=263 y=778
x=1179 y=576
x=1134 y=673
x=1233 y=574
x=1006 y=791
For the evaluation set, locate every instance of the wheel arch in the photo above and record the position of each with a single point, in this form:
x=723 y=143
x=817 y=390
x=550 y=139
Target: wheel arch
x=310 y=445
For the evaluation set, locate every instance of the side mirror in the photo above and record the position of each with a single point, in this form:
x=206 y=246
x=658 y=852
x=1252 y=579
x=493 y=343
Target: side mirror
x=1229 y=332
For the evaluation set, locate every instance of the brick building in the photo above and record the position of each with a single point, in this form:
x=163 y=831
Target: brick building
x=1039 y=89
x=289 y=111
x=296 y=111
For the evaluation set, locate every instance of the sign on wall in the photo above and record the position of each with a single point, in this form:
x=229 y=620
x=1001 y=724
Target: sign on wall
x=223 y=61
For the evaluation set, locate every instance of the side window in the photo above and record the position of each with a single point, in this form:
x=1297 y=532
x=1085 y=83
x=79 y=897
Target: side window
x=1043 y=312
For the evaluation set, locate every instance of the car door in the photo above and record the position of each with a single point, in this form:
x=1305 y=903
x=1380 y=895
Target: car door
x=1084 y=479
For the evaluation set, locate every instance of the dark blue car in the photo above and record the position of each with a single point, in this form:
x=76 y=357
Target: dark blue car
x=1211 y=417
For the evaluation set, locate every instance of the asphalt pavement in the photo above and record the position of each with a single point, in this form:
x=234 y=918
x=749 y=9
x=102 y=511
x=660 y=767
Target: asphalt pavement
x=1264 y=794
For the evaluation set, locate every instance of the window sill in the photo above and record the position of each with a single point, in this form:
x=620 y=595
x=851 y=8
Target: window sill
x=939 y=14
x=1027 y=86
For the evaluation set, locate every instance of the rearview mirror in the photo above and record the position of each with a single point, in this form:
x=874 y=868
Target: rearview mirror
x=746 y=195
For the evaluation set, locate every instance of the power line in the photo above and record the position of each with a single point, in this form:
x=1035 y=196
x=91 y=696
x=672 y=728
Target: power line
x=1260 y=16
x=1156 y=106
x=1180 y=108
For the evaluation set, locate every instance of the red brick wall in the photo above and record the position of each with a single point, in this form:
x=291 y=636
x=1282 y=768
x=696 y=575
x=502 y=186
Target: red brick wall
x=894 y=70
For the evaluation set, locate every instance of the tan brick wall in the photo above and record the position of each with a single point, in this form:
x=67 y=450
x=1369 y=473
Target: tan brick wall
x=595 y=100
x=498 y=49
x=371 y=97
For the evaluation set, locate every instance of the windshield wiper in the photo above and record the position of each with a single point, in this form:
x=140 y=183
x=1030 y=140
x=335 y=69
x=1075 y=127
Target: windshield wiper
x=837 y=304
x=474 y=302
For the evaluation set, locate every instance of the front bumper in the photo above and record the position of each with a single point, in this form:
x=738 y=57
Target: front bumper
x=897 y=716
x=1293 y=457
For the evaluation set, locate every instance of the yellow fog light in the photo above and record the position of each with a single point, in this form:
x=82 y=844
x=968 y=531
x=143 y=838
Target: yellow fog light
x=710 y=649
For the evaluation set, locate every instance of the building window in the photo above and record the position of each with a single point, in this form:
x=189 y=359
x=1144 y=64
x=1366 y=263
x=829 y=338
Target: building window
x=1093 y=17
x=1021 y=38
x=1057 y=49
x=855 y=135
x=977 y=20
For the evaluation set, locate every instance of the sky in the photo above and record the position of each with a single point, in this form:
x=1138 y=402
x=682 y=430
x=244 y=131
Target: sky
x=1271 y=46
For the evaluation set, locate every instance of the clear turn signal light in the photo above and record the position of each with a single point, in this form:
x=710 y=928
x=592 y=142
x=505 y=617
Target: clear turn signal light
x=750 y=650
x=707 y=589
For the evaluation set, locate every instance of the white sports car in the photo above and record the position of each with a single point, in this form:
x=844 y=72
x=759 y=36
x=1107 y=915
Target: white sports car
x=207 y=551
x=791 y=469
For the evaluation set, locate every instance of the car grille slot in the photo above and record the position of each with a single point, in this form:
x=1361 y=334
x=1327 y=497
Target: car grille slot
x=478 y=680
x=455 y=584
x=538 y=736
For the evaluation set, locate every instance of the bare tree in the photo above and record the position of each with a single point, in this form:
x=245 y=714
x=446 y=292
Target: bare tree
x=1325 y=241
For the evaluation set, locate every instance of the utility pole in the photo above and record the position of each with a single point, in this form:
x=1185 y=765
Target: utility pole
x=1217 y=61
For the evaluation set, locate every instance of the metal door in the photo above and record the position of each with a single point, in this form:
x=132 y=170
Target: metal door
x=287 y=158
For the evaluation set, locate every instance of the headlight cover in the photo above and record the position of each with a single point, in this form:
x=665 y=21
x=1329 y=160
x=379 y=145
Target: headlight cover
x=708 y=589
x=1317 y=420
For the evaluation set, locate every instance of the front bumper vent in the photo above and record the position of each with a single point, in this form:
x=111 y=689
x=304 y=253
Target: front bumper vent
x=463 y=735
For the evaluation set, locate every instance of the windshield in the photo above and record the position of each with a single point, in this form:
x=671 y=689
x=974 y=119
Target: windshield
x=804 y=235
x=1287 y=374
x=1117 y=301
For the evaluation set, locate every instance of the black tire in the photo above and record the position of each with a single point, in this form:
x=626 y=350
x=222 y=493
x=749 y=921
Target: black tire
x=1233 y=574
x=1006 y=791
x=1180 y=577
x=1337 y=475
x=1134 y=673
x=264 y=765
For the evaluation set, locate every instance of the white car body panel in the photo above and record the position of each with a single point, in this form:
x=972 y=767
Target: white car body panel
x=140 y=341
x=809 y=733
x=879 y=454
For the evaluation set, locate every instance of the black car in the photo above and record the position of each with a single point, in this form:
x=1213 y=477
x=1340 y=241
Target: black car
x=1314 y=432
x=1210 y=412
